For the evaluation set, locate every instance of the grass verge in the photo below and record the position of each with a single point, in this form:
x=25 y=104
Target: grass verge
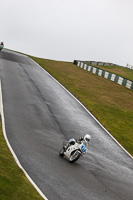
x=109 y=102
x=13 y=183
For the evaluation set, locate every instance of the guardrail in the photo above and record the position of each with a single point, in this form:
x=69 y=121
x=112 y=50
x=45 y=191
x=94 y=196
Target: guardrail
x=129 y=66
x=100 y=63
x=108 y=75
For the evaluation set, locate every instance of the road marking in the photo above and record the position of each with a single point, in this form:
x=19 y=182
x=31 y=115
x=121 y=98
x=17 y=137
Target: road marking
x=13 y=153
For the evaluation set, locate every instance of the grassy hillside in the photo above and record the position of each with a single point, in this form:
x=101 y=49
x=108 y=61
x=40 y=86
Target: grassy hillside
x=109 y=102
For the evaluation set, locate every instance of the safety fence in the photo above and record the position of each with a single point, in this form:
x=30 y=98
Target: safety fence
x=129 y=66
x=108 y=75
x=99 y=63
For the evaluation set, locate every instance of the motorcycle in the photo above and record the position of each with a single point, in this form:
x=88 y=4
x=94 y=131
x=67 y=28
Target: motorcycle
x=73 y=151
x=1 y=46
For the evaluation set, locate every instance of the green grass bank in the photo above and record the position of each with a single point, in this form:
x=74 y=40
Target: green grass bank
x=109 y=102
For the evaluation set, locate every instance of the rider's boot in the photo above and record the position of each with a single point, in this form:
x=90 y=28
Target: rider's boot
x=66 y=146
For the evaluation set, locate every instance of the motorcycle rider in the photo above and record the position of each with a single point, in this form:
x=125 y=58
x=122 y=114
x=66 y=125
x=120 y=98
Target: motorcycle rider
x=1 y=45
x=72 y=141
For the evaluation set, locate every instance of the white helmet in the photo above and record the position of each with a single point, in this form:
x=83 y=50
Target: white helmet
x=87 y=137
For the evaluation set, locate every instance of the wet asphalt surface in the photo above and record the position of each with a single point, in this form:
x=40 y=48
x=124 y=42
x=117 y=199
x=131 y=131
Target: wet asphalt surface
x=39 y=116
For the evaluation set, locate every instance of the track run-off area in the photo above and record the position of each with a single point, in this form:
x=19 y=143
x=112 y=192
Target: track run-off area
x=39 y=115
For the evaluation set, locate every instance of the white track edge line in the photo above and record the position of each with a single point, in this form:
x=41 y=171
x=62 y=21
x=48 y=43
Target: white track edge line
x=10 y=148
x=86 y=110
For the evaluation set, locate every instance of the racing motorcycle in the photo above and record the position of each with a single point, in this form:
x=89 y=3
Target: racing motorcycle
x=73 y=151
x=1 y=46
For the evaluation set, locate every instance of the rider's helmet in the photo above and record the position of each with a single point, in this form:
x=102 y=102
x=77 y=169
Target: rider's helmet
x=87 y=137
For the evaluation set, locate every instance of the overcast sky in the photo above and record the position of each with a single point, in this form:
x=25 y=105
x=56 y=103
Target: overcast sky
x=100 y=30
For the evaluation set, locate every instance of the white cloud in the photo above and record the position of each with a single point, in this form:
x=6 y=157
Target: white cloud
x=70 y=29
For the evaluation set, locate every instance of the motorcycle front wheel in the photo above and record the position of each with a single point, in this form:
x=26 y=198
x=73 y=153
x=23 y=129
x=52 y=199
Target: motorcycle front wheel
x=74 y=156
x=61 y=152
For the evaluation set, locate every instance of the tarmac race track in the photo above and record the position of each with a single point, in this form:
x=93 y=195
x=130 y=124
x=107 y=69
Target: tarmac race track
x=39 y=116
